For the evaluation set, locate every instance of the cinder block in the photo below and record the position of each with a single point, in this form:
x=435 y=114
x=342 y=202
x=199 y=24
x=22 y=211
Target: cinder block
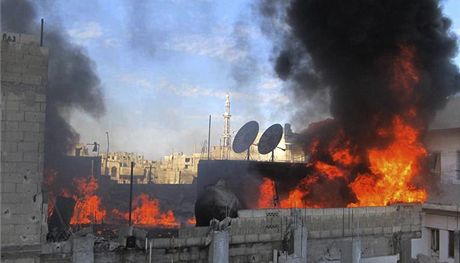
x=7 y=230
x=31 y=79
x=11 y=125
x=31 y=156
x=11 y=178
x=27 y=168
x=27 y=229
x=9 y=147
x=11 y=77
x=13 y=67
x=12 y=136
x=10 y=198
x=13 y=157
x=34 y=69
x=40 y=98
x=27 y=188
x=30 y=136
x=11 y=105
x=27 y=147
x=34 y=116
x=35 y=60
x=8 y=187
x=12 y=115
x=34 y=106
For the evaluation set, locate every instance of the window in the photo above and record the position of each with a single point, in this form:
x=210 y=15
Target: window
x=451 y=244
x=435 y=163
x=113 y=171
x=435 y=240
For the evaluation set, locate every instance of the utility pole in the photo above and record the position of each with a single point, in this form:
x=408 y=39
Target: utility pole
x=209 y=138
x=107 y=156
x=131 y=192
x=226 y=137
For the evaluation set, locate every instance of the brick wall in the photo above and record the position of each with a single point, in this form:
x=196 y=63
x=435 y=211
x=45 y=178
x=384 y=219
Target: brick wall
x=24 y=75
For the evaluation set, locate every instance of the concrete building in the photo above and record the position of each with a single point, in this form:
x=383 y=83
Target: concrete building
x=441 y=214
x=24 y=76
x=443 y=142
x=119 y=167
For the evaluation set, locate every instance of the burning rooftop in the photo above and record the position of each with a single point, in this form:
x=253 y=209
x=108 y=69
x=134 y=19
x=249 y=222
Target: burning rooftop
x=366 y=184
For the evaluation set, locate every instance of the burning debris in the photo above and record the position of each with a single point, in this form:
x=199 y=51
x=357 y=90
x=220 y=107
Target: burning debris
x=388 y=67
x=147 y=212
x=89 y=207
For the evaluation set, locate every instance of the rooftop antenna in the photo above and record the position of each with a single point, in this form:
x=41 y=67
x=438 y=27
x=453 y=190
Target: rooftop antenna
x=245 y=137
x=41 y=32
x=209 y=137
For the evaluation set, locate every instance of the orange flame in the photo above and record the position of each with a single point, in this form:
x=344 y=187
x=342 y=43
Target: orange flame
x=266 y=193
x=392 y=168
x=330 y=171
x=191 y=221
x=88 y=205
x=147 y=212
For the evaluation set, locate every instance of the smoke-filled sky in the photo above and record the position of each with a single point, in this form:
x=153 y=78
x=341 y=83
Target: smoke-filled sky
x=166 y=65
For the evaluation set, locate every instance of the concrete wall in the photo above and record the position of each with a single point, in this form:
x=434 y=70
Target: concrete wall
x=447 y=142
x=256 y=233
x=24 y=76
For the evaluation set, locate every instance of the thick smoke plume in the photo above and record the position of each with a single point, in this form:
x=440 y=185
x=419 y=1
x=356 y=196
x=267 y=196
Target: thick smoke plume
x=72 y=82
x=343 y=46
x=387 y=66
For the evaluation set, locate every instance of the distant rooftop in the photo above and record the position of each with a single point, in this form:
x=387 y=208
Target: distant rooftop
x=19 y=38
x=449 y=117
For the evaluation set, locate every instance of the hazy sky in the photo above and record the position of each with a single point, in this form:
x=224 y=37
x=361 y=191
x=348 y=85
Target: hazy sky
x=165 y=65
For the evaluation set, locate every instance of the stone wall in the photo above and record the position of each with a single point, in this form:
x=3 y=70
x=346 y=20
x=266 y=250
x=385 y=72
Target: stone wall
x=24 y=76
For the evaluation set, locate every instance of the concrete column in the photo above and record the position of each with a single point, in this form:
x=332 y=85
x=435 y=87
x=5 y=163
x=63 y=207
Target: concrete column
x=356 y=250
x=300 y=243
x=405 y=254
x=219 y=247
x=351 y=251
x=83 y=249
x=457 y=247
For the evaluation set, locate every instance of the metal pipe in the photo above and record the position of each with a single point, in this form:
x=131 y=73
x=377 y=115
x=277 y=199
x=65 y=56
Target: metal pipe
x=150 y=251
x=41 y=33
x=209 y=137
x=131 y=193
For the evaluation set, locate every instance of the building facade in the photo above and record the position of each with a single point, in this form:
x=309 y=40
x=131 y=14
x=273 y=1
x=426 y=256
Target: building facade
x=441 y=214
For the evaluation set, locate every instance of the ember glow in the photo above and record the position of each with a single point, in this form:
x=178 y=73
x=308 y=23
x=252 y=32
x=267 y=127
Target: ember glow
x=191 y=221
x=365 y=175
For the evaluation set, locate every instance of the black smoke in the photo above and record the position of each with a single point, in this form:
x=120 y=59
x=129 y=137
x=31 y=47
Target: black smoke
x=346 y=47
x=72 y=80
